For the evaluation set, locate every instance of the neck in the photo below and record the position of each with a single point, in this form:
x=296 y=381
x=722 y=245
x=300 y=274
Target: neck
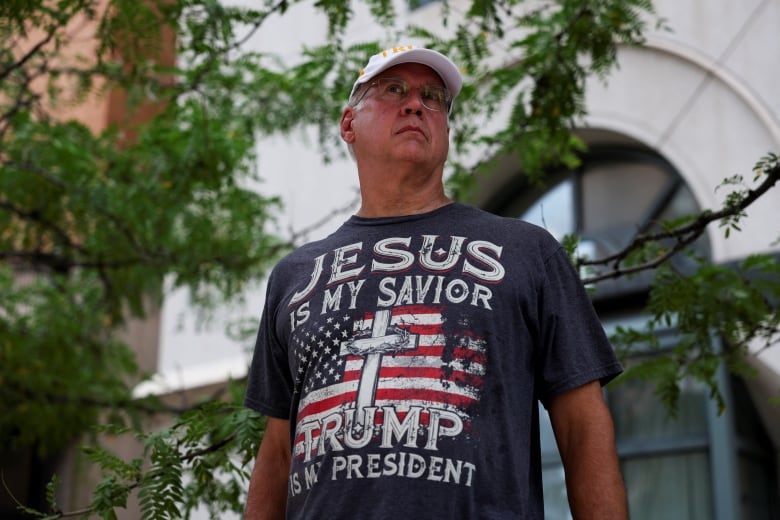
x=397 y=208
x=400 y=192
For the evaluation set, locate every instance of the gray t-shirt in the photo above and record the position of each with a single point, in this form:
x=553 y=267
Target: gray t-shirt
x=409 y=354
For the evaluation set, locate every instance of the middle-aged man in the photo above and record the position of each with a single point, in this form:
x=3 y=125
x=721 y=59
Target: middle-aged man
x=400 y=360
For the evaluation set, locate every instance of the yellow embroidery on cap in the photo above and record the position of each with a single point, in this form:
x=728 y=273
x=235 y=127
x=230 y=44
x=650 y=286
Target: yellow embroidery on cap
x=396 y=50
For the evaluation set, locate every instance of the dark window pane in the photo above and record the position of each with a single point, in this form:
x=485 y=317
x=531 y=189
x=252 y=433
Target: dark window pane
x=619 y=193
x=555 y=210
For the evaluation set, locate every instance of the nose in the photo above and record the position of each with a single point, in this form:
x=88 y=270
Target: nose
x=413 y=103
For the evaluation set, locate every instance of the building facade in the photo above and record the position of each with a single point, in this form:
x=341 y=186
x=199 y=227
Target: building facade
x=696 y=104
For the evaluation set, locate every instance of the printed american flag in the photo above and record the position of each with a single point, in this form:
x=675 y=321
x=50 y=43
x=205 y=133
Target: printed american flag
x=444 y=370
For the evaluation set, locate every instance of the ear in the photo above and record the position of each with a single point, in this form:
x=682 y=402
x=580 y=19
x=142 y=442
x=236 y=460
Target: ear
x=347 y=131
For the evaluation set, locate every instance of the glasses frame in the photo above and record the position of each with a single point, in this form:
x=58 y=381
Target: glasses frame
x=383 y=95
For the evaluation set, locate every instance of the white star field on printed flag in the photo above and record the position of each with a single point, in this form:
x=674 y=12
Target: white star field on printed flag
x=431 y=375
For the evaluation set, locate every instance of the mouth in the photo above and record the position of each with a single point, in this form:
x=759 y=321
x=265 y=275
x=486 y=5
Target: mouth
x=411 y=128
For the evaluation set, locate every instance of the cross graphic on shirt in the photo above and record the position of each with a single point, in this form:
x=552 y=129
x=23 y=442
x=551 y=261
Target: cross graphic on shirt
x=371 y=350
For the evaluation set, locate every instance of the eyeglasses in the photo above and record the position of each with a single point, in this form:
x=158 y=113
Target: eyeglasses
x=396 y=90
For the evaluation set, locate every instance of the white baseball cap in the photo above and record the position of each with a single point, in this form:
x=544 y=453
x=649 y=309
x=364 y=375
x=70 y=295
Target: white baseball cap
x=440 y=63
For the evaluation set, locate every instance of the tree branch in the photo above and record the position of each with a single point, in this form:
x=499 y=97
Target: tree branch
x=683 y=236
x=19 y=63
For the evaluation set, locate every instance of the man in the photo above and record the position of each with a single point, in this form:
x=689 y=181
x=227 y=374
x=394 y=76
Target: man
x=400 y=359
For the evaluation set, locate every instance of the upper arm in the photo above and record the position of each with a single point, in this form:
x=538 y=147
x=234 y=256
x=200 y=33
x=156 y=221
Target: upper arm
x=273 y=457
x=267 y=495
x=583 y=426
x=578 y=411
x=586 y=440
x=276 y=438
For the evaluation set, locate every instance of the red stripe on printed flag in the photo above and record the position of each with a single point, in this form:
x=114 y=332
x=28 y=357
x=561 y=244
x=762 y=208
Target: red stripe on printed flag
x=432 y=375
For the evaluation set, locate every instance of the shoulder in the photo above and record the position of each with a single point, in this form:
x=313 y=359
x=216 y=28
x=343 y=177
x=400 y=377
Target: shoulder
x=303 y=259
x=512 y=231
x=480 y=216
x=303 y=255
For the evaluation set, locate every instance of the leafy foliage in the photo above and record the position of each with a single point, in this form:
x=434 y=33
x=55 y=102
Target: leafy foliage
x=720 y=313
x=99 y=219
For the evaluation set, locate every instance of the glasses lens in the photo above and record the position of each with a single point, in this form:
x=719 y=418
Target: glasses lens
x=434 y=97
x=391 y=89
x=395 y=90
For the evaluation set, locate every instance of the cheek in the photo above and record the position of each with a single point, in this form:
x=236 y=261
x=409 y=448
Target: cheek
x=443 y=139
x=368 y=123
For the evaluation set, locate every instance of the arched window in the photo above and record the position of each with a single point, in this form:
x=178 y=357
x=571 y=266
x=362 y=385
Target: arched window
x=615 y=194
x=699 y=465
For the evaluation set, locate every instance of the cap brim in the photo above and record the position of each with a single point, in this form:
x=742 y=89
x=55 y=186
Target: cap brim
x=442 y=65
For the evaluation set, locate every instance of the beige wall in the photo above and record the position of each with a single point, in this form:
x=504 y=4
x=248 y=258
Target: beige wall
x=704 y=95
x=101 y=108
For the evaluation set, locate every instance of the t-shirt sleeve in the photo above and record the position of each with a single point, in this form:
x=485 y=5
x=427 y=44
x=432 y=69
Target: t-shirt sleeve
x=574 y=348
x=269 y=385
